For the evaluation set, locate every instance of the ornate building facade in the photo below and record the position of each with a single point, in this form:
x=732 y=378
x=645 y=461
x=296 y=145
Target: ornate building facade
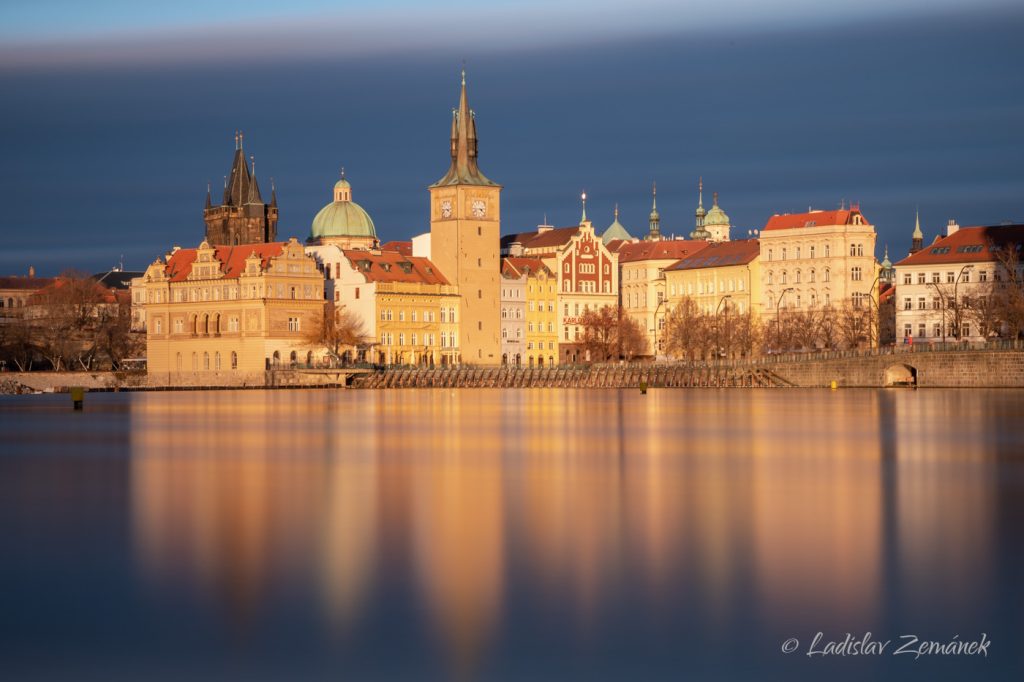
x=229 y=313
x=242 y=217
x=465 y=228
x=819 y=258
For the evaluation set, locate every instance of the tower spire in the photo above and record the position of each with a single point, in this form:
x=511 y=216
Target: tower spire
x=209 y=202
x=583 y=198
x=464 y=169
x=654 y=221
x=917 y=238
x=698 y=231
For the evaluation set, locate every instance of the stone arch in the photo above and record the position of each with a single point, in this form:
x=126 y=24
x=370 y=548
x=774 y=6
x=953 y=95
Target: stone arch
x=900 y=375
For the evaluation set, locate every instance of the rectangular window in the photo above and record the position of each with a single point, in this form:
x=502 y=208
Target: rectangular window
x=920 y=278
x=908 y=330
x=293 y=324
x=921 y=303
x=950 y=278
x=921 y=330
x=908 y=304
x=357 y=294
x=907 y=278
x=936 y=278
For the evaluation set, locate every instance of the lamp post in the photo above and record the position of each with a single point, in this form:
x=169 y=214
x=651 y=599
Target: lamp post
x=656 y=309
x=956 y=308
x=778 y=317
x=878 y=313
x=718 y=326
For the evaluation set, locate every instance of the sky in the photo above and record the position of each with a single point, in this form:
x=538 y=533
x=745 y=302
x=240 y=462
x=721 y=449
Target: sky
x=117 y=114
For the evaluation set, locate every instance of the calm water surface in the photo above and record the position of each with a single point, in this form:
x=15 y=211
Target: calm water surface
x=508 y=534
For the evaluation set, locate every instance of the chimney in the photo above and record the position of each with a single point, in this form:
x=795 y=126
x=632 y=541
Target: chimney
x=544 y=227
x=951 y=227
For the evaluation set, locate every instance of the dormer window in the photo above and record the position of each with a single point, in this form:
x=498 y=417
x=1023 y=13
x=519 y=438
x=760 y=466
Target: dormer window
x=386 y=266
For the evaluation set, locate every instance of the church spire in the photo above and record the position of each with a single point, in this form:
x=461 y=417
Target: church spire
x=917 y=238
x=464 y=169
x=698 y=231
x=654 y=224
x=583 y=198
x=209 y=203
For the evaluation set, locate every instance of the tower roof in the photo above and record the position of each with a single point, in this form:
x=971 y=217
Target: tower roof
x=342 y=217
x=464 y=169
x=716 y=216
x=241 y=187
x=616 y=230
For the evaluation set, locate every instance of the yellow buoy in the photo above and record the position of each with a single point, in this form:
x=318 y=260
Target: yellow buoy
x=77 y=396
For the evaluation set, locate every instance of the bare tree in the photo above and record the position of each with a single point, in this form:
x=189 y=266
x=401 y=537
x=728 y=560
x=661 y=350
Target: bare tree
x=600 y=337
x=65 y=317
x=855 y=324
x=631 y=338
x=687 y=330
x=335 y=329
x=1009 y=289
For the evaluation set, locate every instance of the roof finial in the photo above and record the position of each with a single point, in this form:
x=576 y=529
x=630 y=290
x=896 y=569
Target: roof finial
x=700 y=191
x=583 y=197
x=252 y=157
x=616 y=211
x=342 y=172
x=463 y=72
x=236 y=140
x=225 y=182
x=654 y=195
x=241 y=140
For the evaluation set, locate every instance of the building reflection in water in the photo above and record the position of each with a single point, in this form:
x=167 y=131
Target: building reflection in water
x=722 y=505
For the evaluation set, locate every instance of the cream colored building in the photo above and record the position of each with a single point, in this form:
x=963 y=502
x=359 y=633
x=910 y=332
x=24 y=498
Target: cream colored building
x=465 y=228
x=722 y=274
x=409 y=310
x=819 y=258
x=643 y=284
x=228 y=312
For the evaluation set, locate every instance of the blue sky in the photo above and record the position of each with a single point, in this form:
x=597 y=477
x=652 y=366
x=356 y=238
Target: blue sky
x=116 y=118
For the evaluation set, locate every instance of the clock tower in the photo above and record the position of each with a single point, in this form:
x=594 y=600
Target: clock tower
x=465 y=229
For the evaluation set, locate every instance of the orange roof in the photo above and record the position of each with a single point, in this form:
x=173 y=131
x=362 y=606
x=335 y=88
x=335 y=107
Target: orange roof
x=554 y=237
x=886 y=292
x=404 y=248
x=231 y=259
x=788 y=221
x=614 y=245
x=518 y=266
x=27 y=283
x=107 y=295
x=392 y=266
x=968 y=245
x=720 y=254
x=668 y=249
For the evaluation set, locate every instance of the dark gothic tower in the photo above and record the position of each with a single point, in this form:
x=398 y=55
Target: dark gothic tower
x=242 y=217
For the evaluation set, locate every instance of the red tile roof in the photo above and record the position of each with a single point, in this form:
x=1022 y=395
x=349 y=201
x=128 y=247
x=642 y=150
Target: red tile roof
x=614 y=245
x=392 y=266
x=518 y=266
x=404 y=248
x=552 y=238
x=25 y=283
x=967 y=245
x=669 y=249
x=788 y=221
x=231 y=259
x=720 y=254
x=886 y=292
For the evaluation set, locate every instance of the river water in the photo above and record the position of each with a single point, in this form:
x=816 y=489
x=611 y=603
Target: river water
x=540 y=534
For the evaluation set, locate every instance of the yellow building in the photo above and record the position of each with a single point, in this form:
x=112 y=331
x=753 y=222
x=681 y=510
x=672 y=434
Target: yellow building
x=643 y=284
x=465 y=228
x=720 y=274
x=409 y=310
x=224 y=314
x=541 y=311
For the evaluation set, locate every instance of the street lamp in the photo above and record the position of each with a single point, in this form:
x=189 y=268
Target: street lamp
x=956 y=309
x=656 y=309
x=778 y=317
x=718 y=326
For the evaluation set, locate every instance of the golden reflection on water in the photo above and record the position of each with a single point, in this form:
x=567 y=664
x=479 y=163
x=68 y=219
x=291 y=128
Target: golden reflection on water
x=781 y=504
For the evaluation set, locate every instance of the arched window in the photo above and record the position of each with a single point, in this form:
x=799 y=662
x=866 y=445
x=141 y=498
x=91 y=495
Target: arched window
x=234 y=360
x=797 y=277
x=293 y=358
x=277 y=358
x=206 y=361
x=827 y=276
x=216 y=361
x=195 y=362
x=783 y=278
x=811 y=277
x=309 y=358
x=771 y=278
x=178 y=362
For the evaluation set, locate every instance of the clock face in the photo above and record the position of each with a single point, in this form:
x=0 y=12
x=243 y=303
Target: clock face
x=446 y=208
x=479 y=208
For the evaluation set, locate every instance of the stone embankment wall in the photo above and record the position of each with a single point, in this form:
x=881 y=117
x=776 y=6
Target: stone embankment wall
x=33 y=382
x=966 y=369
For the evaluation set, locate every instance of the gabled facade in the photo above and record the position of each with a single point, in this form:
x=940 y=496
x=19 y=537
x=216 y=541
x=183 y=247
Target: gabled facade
x=225 y=314
x=513 y=315
x=722 y=274
x=540 y=346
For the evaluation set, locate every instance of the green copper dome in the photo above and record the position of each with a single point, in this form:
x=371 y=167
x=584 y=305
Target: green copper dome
x=343 y=217
x=616 y=230
x=716 y=216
